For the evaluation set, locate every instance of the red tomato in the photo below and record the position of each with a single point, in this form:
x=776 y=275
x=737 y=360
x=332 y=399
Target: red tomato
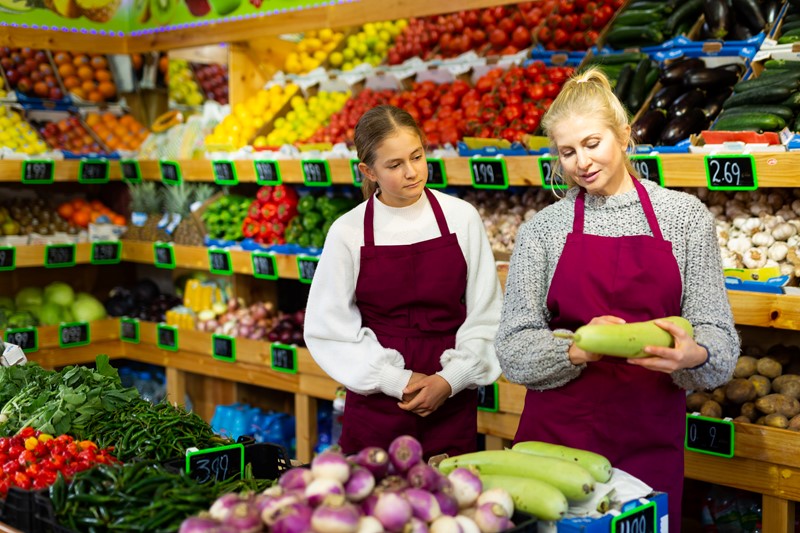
x=22 y=481
x=534 y=92
x=551 y=90
x=554 y=21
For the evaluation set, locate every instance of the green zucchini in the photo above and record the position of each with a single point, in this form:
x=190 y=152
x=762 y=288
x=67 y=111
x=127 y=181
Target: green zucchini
x=638 y=90
x=617 y=59
x=636 y=18
x=684 y=14
x=749 y=122
x=632 y=36
x=780 y=64
x=596 y=464
x=622 y=88
x=625 y=340
x=766 y=95
x=785 y=112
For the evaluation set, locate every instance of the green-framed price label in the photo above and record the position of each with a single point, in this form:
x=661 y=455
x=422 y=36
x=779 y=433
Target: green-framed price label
x=437 y=174
x=641 y=519
x=488 y=173
x=489 y=398
x=93 y=171
x=711 y=436
x=164 y=255
x=264 y=266
x=215 y=464
x=73 y=334
x=106 y=253
x=547 y=172
x=306 y=267
x=283 y=358
x=648 y=167
x=731 y=172
x=26 y=338
x=8 y=258
x=59 y=255
x=316 y=172
x=268 y=172
x=225 y=172
x=170 y=172
x=223 y=347
x=129 y=330
x=130 y=170
x=38 y=171
x=219 y=262
x=167 y=337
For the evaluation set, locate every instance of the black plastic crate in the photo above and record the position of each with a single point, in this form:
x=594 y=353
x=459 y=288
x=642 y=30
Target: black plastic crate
x=268 y=460
x=18 y=509
x=45 y=515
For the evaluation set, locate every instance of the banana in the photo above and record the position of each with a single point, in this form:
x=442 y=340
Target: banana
x=625 y=340
x=596 y=464
x=532 y=496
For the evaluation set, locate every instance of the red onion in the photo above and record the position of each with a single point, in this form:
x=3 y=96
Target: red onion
x=319 y=489
x=244 y=518
x=466 y=486
x=244 y=331
x=295 y=518
x=296 y=478
x=374 y=459
x=259 y=311
x=335 y=516
x=247 y=320
x=223 y=506
x=423 y=504
x=424 y=476
x=404 y=452
x=467 y=524
x=360 y=484
x=492 y=518
x=369 y=524
x=447 y=503
x=331 y=465
x=445 y=524
x=415 y=526
x=392 y=510
x=499 y=496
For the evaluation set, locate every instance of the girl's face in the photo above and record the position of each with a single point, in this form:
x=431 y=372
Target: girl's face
x=591 y=155
x=400 y=168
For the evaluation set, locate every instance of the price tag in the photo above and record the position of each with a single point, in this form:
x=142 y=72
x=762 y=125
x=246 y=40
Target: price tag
x=264 y=266
x=488 y=398
x=731 y=172
x=25 y=338
x=8 y=258
x=93 y=171
x=129 y=330
x=488 y=173
x=306 y=266
x=59 y=255
x=131 y=171
x=215 y=464
x=358 y=177
x=164 y=255
x=641 y=519
x=437 y=175
x=170 y=172
x=223 y=347
x=38 y=172
x=106 y=252
x=284 y=358
x=73 y=334
x=219 y=262
x=648 y=167
x=316 y=172
x=225 y=172
x=167 y=337
x=709 y=435
x=267 y=172
x=550 y=180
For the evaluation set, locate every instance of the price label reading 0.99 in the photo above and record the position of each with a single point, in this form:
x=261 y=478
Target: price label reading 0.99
x=731 y=172
x=8 y=258
x=219 y=262
x=38 y=172
x=642 y=519
x=215 y=464
x=164 y=255
x=130 y=170
x=648 y=167
x=93 y=171
x=264 y=266
x=306 y=266
x=267 y=172
x=225 y=172
x=167 y=337
x=129 y=330
x=25 y=338
x=709 y=435
x=223 y=348
x=106 y=253
x=437 y=175
x=284 y=358
x=489 y=398
x=358 y=177
x=170 y=172
x=550 y=180
x=316 y=172
x=73 y=334
x=488 y=173
x=59 y=255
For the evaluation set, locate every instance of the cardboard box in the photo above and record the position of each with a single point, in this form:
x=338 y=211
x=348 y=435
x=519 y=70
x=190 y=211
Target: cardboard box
x=603 y=524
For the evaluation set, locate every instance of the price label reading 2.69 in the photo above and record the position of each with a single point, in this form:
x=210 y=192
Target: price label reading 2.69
x=106 y=253
x=437 y=175
x=225 y=172
x=316 y=172
x=284 y=358
x=25 y=338
x=219 y=262
x=488 y=173
x=642 y=519
x=73 y=334
x=648 y=167
x=306 y=266
x=550 y=180
x=59 y=255
x=731 y=172
x=38 y=172
x=93 y=171
x=709 y=435
x=267 y=172
x=8 y=258
x=215 y=464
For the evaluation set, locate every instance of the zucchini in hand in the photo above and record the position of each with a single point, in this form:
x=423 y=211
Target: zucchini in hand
x=625 y=340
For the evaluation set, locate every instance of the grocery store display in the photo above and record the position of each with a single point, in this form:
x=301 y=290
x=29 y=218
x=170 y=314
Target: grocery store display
x=633 y=75
x=237 y=319
x=145 y=208
x=30 y=73
x=573 y=25
x=178 y=200
x=69 y=134
x=650 y=24
x=87 y=77
x=341 y=128
x=312 y=50
x=271 y=211
x=738 y=20
x=305 y=117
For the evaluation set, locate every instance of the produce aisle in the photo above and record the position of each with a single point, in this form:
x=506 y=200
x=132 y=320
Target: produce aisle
x=165 y=205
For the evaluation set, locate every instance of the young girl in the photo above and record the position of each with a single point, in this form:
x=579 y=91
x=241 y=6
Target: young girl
x=615 y=249
x=405 y=300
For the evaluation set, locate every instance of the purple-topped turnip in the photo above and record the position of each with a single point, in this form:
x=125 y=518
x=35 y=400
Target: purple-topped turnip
x=360 y=485
x=331 y=465
x=392 y=510
x=423 y=504
x=404 y=452
x=374 y=459
x=467 y=486
x=335 y=515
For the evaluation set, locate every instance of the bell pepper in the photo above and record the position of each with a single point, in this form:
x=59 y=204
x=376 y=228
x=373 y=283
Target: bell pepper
x=264 y=232
x=285 y=212
x=284 y=193
x=268 y=211
x=254 y=211
x=264 y=194
x=311 y=220
x=249 y=228
x=335 y=206
x=317 y=238
x=305 y=204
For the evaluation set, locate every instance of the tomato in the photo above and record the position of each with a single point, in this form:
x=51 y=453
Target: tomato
x=559 y=74
x=545 y=35
x=569 y=22
x=530 y=123
x=591 y=37
x=554 y=21
x=566 y=7
x=511 y=112
x=27 y=457
x=534 y=69
x=485 y=84
x=26 y=432
x=551 y=90
x=560 y=37
x=602 y=16
x=22 y=481
x=590 y=7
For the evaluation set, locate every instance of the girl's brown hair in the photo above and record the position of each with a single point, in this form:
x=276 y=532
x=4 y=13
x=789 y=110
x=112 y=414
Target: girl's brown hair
x=372 y=129
x=588 y=94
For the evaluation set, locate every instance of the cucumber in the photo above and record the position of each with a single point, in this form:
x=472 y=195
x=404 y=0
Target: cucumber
x=622 y=88
x=637 y=18
x=617 y=59
x=683 y=15
x=530 y=495
x=574 y=481
x=785 y=78
x=790 y=32
x=785 y=112
x=765 y=95
x=788 y=26
x=780 y=64
x=793 y=101
x=788 y=39
x=638 y=90
x=626 y=340
x=596 y=464
x=632 y=36
x=749 y=122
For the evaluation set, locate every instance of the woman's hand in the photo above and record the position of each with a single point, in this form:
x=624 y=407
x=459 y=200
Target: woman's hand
x=415 y=376
x=427 y=394
x=686 y=353
x=579 y=356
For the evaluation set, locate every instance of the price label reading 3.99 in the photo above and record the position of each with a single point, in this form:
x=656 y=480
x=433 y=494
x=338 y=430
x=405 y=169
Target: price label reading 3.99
x=731 y=172
x=215 y=464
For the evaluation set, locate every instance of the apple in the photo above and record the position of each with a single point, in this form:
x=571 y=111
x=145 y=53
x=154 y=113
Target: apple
x=198 y=8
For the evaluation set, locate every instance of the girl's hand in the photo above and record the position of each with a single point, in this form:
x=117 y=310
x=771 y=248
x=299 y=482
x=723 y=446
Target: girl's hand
x=686 y=353
x=578 y=356
x=428 y=394
x=415 y=377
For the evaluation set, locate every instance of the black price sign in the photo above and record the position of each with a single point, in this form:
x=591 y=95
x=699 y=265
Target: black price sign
x=59 y=255
x=709 y=435
x=37 y=172
x=267 y=172
x=264 y=266
x=731 y=172
x=284 y=358
x=129 y=330
x=358 y=177
x=648 y=167
x=223 y=347
x=215 y=464
x=170 y=172
x=130 y=170
x=488 y=398
x=106 y=252
x=641 y=519
x=93 y=171
x=167 y=337
x=437 y=175
x=219 y=262
x=73 y=334
x=164 y=255
x=488 y=173
x=8 y=258
x=225 y=172
x=550 y=180
x=316 y=172
x=306 y=266
x=25 y=338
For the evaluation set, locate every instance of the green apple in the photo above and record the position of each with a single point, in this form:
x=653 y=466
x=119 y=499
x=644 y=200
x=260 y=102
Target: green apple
x=223 y=7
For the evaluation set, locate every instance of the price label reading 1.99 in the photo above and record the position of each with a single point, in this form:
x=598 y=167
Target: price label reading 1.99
x=641 y=519
x=547 y=170
x=267 y=172
x=130 y=170
x=648 y=167
x=8 y=258
x=106 y=253
x=73 y=334
x=215 y=464
x=170 y=172
x=284 y=358
x=93 y=171
x=709 y=435
x=437 y=175
x=59 y=255
x=488 y=173
x=225 y=172
x=306 y=266
x=25 y=338
x=731 y=172
x=167 y=337
x=38 y=172
x=219 y=262
x=316 y=172
x=264 y=266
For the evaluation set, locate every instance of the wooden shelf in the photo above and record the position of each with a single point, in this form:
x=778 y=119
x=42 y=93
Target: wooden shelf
x=33 y=255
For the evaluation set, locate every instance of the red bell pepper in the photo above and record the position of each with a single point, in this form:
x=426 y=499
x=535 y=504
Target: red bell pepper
x=250 y=227
x=284 y=193
x=264 y=194
x=268 y=212
x=286 y=212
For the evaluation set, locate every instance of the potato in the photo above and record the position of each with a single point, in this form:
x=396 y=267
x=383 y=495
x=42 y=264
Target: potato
x=776 y=420
x=695 y=401
x=743 y=419
x=749 y=410
x=745 y=367
x=780 y=382
x=711 y=409
x=760 y=421
x=794 y=423
x=791 y=389
x=769 y=367
x=778 y=403
x=740 y=390
x=762 y=385
x=718 y=395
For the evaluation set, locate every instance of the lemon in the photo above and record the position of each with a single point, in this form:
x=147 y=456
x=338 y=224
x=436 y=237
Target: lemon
x=362 y=50
x=336 y=59
x=260 y=142
x=348 y=54
x=320 y=55
x=326 y=34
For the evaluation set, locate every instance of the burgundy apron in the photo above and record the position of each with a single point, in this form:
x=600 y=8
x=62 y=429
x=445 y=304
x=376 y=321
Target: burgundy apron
x=633 y=416
x=413 y=297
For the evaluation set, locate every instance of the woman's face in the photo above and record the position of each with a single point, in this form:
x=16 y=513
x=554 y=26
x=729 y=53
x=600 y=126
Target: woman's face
x=591 y=155
x=400 y=168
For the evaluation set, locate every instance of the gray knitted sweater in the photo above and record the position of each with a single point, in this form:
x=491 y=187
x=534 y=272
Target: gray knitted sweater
x=528 y=352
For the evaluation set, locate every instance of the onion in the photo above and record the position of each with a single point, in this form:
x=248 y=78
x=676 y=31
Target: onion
x=374 y=459
x=244 y=331
x=335 y=515
x=423 y=504
x=360 y=484
x=369 y=524
x=423 y=476
x=295 y=518
x=392 y=510
x=319 y=489
x=492 y=518
x=223 y=506
x=244 y=518
x=466 y=486
x=198 y=524
x=499 y=496
x=467 y=524
x=416 y=526
x=445 y=524
x=258 y=311
x=331 y=465
x=404 y=452
x=447 y=503
x=247 y=319
x=296 y=478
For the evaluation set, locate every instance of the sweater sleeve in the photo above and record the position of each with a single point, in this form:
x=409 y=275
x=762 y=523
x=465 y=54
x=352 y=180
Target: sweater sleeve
x=526 y=348
x=346 y=351
x=473 y=360
x=706 y=306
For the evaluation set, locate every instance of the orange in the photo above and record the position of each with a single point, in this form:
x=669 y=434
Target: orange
x=66 y=70
x=102 y=75
x=96 y=205
x=88 y=86
x=109 y=118
x=98 y=62
x=120 y=130
x=71 y=82
x=95 y=96
x=65 y=210
x=137 y=61
x=163 y=63
x=85 y=73
x=107 y=89
x=62 y=58
x=81 y=218
x=92 y=119
x=80 y=93
x=95 y=215
x=118 y=220
x=125 y=120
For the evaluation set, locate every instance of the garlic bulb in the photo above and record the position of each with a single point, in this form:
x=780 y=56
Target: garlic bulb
x=787 y=269
x=793 y=241
x=739 y=244
x=763 y=238
x=783 y=231
x=731 y=259
x=775 y=200
x=716 y=210
x=778 y=251
x=771 y=263
x=755 y=257
x=796 y=207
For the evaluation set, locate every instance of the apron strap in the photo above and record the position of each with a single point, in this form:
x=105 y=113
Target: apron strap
x=644 y=198
x=580 y=207
x=369 y=231
x=437 y=212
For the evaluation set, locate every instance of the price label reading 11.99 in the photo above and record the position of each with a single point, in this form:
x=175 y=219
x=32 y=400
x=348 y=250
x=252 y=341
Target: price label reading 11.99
x=731 y=172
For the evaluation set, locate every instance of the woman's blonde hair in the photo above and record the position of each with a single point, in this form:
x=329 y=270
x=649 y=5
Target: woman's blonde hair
x=588 y=93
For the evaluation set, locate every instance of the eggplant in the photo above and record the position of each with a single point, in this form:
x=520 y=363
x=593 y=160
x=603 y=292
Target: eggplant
x=673 y=74
x=740 y=32
x=736 y=68
x=680 y=128
x=749 y=14
x=647 y=129
x=770 y=9
x=691 y=99
x=713 y=105
x=665 y=96
x=709 y=78
x=718 y=18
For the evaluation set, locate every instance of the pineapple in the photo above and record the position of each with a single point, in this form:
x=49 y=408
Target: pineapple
x=177 y=199
x=152 y=206
x=98 y=10
x=137 y=205
x=191 y=229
